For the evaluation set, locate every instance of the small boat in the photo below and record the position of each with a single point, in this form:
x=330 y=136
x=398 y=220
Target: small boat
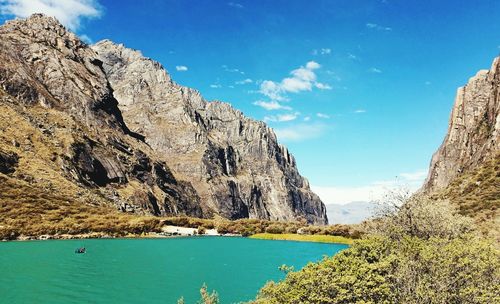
x=80 y=250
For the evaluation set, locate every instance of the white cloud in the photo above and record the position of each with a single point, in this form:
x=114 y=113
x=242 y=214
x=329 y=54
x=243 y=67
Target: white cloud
x=230 y=70
x=271 y=105
x=378 y=27
x=359 y=111
x=414 y=176
x=181 y=68
x=322 y=86
x=302 y=79
x=345 y=195
x=371 y=192
x=235 y=4
x=215 y=86
x=312 y=65
x=375 y=70
x=326 y=51
x=323 y=115
x=307 y=118
x=323 y=51
x=272 y=90
x=244 y=81
x=300 y=132
x=295 y=85
x=282 y=117
x=68 y=12
x=352 y=56
x=85 y=38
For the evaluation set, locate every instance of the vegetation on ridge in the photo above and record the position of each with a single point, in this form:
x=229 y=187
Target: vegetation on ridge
x=477 y=194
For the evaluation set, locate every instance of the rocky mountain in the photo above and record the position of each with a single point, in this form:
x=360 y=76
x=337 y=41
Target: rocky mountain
x=466 y=167
x=234 y=162
x=103 y=125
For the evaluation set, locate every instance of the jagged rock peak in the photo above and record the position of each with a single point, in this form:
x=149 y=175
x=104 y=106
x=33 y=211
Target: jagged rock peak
x=42 y=28
x=473 y=132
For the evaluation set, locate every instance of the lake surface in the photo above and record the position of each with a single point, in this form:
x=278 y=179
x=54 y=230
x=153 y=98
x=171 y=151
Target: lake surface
x=147 y=270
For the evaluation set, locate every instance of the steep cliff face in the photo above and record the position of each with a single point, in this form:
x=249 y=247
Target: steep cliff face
x=235 y=163
x=474 y=130
x=107 y=126
x=466 y=167
x=61 y=121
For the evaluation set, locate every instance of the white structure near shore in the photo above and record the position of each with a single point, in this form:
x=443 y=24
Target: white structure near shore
x=185 y=231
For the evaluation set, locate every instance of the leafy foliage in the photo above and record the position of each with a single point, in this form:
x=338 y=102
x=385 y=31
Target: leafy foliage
x=206 y=297
x=418 y=253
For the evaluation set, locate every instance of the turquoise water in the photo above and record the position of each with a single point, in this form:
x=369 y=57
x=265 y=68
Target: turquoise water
x=146 y=270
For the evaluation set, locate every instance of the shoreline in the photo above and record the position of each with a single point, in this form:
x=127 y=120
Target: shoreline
x=167 y=232
x=180 y=232
x=327 y=239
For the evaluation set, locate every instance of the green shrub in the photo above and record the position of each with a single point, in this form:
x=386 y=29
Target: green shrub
x=380 y=270
x=419 y=253
x=275 y=228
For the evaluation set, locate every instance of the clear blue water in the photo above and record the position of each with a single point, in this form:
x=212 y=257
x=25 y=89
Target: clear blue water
x=146 y=270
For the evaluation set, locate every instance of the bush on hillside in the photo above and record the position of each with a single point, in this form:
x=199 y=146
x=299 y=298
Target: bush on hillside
x=380 y=270
x=418 y=252
x=421 y=217
x=275 y=228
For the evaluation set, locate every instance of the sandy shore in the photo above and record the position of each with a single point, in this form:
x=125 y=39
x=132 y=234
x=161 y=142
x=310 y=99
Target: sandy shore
x=166 y=232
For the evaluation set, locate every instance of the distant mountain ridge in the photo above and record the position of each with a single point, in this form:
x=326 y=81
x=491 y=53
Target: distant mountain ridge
x=105 y=125
x=351 y=213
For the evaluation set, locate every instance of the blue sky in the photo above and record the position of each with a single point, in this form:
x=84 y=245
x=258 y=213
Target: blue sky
x=360 y=91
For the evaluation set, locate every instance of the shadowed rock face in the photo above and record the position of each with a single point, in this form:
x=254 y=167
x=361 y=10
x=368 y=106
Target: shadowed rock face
x=112 y=123
x=473 y=133
x=8 y=162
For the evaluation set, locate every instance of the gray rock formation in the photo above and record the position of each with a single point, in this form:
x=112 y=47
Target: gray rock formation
x=113 y=123
x=235 y=163
x=474 y=130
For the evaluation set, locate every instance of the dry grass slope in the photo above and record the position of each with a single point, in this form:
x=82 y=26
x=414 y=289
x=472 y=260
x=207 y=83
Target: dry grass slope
x=477 y=194
x=38 y=198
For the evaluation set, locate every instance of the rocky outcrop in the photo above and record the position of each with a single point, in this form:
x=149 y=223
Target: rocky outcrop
x=473 y=136
x=466 y=168
x=235 y=163
x=8 y=162
x=112 y=125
